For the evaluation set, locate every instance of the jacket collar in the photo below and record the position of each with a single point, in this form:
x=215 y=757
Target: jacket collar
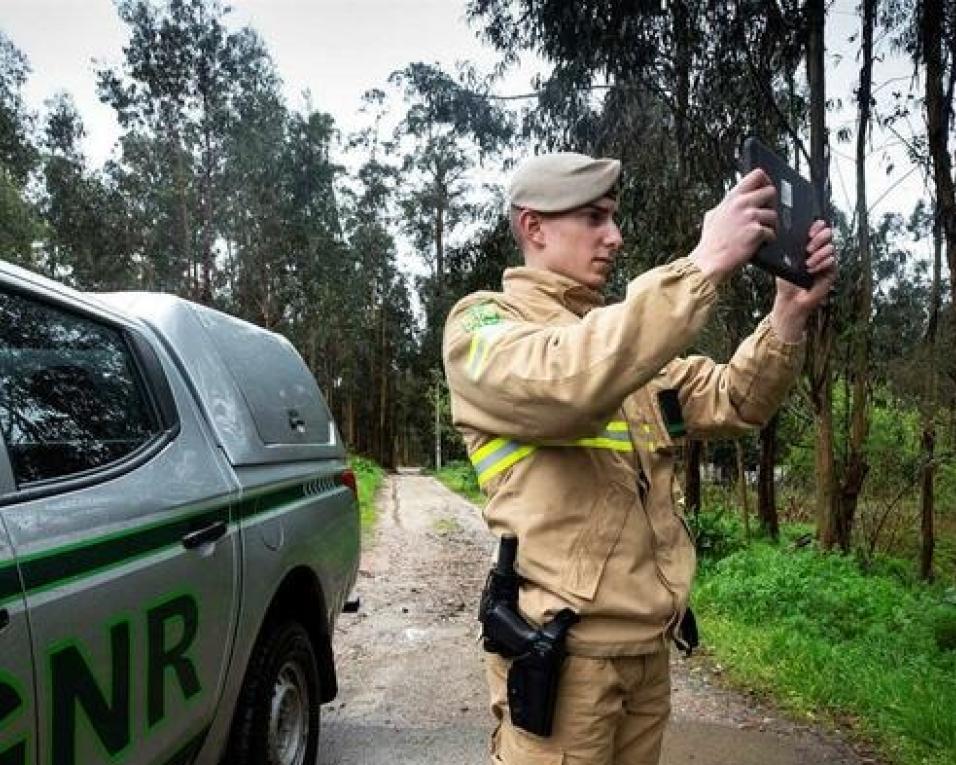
x=537 y=288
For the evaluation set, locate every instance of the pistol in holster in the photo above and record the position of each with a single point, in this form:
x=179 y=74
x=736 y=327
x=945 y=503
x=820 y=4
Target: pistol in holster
x=537 y=653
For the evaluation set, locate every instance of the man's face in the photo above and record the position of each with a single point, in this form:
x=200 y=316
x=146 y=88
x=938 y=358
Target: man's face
x=581 y=243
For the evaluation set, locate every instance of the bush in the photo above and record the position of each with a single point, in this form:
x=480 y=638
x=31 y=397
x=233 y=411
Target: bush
x=717 y=532
x=460 y=477
x=944 y=630
x=369 y=476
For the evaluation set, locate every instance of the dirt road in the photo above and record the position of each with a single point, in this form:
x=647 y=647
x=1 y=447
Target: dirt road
x=411 y=677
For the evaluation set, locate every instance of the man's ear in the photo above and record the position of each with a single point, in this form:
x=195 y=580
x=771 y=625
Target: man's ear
x=529 y=224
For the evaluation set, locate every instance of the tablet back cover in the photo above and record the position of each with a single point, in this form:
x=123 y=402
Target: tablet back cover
x=785 y=257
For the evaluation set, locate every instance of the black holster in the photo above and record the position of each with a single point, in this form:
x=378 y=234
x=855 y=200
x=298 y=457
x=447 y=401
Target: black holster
x=537 y=653
x=686 y=636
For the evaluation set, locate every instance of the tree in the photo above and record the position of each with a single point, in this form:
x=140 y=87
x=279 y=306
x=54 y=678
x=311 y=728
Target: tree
x=856 y=465
x=174 y=96
x=18 y=157
x=448 y=127
x=86 y=241
x=821 y=332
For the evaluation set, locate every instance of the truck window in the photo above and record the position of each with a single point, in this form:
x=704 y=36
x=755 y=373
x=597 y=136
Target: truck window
x=71 y=397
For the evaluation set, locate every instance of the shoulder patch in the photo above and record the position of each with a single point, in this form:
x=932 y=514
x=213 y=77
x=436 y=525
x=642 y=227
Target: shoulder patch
x=481 y=315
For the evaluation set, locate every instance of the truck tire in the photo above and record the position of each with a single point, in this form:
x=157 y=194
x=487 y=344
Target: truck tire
x=277 y=713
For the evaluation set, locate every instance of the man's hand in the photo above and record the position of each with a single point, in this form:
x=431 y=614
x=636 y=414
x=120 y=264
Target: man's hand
x=793 y=305
x=734 y=230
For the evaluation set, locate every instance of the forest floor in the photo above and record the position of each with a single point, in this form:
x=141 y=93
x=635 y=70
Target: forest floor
x=411 y=680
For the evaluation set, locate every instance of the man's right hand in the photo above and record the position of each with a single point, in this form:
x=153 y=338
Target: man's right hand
x=734 y=230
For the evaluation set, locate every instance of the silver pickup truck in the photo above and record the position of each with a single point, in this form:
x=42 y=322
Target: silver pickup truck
x=178 y=531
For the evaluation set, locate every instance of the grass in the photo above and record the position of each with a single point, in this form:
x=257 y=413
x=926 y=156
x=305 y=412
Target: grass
x=460 y=478
x=369 y=476
x=828 y=641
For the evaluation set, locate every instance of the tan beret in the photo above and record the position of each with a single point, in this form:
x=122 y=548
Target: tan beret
x=562 y=181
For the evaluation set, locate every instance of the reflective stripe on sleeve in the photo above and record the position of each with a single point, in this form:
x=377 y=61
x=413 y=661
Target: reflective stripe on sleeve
x=615 y=436
x=481 y=341
x=499 y=454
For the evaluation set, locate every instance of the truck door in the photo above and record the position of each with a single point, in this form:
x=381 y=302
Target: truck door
x=121 y=524
x=17 y=714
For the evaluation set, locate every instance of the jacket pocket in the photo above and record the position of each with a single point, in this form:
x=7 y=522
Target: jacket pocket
x=596 y=540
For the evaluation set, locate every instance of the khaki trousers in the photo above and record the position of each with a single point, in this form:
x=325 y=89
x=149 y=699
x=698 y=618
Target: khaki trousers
x=609 y=712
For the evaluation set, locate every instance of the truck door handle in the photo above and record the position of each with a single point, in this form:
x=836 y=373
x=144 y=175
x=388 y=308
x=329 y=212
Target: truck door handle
x=4 y=619
x=209 y=533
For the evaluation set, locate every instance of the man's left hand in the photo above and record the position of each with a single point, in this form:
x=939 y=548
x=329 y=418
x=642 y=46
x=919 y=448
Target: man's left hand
x=793 y=305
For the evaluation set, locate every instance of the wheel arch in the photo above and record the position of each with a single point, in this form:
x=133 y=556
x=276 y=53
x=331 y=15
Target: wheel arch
x=300 y=596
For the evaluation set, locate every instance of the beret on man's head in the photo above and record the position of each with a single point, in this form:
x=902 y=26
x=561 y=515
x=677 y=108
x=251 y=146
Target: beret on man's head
x=552 y=183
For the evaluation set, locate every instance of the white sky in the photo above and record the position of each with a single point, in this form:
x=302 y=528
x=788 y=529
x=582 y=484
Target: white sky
x=337 y=49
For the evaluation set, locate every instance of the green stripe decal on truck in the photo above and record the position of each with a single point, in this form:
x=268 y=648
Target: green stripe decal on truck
x=50 y=568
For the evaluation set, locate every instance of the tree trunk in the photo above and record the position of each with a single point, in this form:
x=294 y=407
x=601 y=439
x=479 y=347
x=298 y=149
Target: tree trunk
x=185 y=231
x=742 y=487
x=927 y=500
x=939 y=105
x=856 y=464
x=928 y=437
x=386 y=451
x=440 y=237
x=692 y=479
x=821 y=331
x=766 y=488
x=682 y=73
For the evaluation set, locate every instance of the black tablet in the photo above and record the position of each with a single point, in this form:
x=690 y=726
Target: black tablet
x=796 y=211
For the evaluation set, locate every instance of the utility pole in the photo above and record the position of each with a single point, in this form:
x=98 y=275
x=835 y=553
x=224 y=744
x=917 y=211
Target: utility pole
x=437 y=425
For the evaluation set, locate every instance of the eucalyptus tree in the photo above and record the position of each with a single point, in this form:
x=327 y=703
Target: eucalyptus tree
x=258 y=281
x=85 y=239
x=856 y=466
x=18 y=157
x=448 y=127
x=381 y=397
x=173 y=96
x=936 y=50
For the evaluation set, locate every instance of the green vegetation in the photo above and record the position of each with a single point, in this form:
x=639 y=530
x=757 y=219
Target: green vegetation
x=824 y=638
x=445 y=526
x=369 y=476
x=460 y=477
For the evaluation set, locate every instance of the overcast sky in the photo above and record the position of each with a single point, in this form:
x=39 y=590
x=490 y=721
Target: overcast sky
x=338 y=49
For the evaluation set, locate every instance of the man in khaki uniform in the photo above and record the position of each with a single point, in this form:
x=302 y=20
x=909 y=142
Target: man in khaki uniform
x=557 y=397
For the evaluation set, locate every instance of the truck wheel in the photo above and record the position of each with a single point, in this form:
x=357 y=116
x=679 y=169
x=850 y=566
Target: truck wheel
x=277 y=714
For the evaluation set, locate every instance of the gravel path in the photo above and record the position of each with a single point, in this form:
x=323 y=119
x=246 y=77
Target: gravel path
x=411 y=681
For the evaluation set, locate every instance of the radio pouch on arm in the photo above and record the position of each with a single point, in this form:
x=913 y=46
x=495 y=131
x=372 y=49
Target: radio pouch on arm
x=537 y=653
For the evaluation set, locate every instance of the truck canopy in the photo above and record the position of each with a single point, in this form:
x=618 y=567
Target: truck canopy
x=256 y=392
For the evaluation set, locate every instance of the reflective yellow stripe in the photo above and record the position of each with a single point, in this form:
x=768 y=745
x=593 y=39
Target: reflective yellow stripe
x=484 y=451
x=498 y=455
x=476 y=353
x=481 y=341
x=506 y=462
x=601 y=443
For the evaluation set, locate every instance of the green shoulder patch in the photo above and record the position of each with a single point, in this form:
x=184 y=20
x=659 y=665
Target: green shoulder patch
x=481 y=315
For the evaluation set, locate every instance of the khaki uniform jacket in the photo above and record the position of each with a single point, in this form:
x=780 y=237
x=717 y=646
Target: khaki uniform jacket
x=555 y=396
